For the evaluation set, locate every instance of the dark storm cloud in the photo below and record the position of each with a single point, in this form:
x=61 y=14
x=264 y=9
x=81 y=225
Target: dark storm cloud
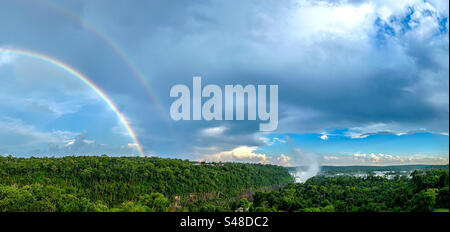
x=332 y=72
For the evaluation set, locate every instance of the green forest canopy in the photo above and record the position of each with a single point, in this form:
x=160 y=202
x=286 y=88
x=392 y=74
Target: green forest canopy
x=93 y=183
x=101 y=183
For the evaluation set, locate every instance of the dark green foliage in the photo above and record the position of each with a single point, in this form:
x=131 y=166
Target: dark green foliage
x=442 y=200
x=92 y=183
x=424 y=201
x=423 y=192
x=133 y=184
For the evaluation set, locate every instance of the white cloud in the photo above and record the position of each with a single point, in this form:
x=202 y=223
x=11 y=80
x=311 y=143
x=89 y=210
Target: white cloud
x=239 y=154
x=132 y=145
x=385 y=128
x=16 y=132
x=324 y=137
x=347 y=21
x=6 y=58
x=19 y=138
x=381 y=159
x=246 y=154
x=284 y=160
x=46 y=105
x=213 y=131
x=328 y=158
x=80 y=145
x=270 y=142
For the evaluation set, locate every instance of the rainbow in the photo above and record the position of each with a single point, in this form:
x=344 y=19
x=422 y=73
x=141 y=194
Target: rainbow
x=126 y=59
x=86 y=81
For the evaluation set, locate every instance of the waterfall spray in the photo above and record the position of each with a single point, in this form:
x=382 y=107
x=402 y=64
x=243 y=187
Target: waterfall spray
x=307 y=163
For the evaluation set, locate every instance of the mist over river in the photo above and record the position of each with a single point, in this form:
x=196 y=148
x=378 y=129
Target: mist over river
x=302 y=173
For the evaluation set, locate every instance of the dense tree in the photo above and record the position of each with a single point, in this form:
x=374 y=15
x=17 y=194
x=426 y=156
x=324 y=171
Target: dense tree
x=424 y=201
x=133 y=184
x=92 y=183
x=442 y=200
x=423 y=192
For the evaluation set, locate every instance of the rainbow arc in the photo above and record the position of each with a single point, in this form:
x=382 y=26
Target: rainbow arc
x=86 y=81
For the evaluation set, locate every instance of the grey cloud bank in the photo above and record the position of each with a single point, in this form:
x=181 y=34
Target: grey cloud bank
x=339 y=64
x=233 y=100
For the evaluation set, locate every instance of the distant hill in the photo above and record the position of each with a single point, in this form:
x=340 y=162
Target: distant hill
x=385 y=168
x=375 y=168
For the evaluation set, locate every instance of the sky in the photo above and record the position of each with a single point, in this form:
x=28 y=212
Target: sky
x=359 y=82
